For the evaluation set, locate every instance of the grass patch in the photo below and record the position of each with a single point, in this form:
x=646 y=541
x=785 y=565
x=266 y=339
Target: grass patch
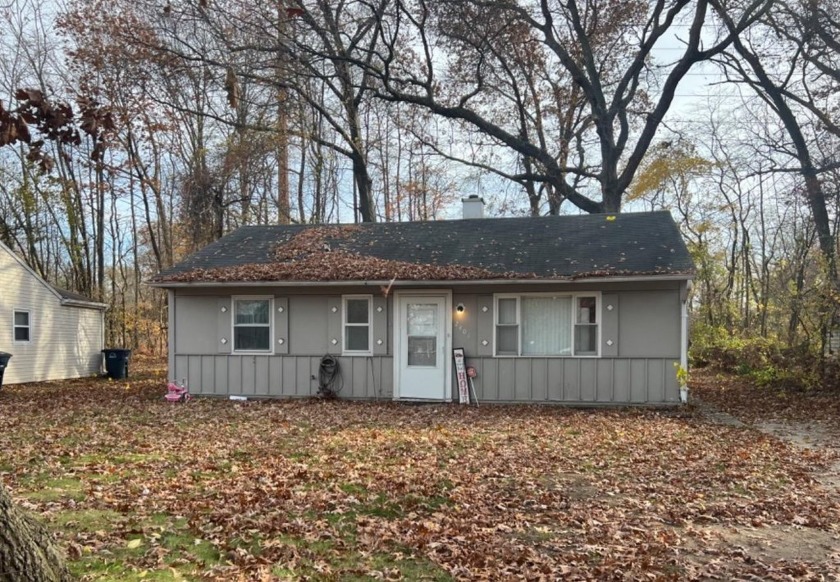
x=49 y=489
x=110 y=570
x=185 y=554
x=184 y=545
x=381 y=506
x=110 y=458
x=353 y=488
x=87 y=520
x=358 y=567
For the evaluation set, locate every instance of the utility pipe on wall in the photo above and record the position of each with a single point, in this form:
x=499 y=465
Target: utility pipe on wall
x=686 y=288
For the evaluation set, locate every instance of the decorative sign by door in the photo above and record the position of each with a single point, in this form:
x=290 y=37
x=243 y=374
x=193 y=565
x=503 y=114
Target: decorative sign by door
x=461 y=376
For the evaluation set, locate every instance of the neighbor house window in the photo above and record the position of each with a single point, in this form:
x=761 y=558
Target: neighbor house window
x=251 y=324
x=357 y=320
x=546 y=325
x=22 y=326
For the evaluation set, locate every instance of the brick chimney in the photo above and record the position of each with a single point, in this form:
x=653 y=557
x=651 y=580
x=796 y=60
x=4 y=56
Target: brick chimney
x=473 y=206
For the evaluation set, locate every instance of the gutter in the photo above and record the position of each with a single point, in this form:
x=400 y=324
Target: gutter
x=84 y=304
x=421 y=283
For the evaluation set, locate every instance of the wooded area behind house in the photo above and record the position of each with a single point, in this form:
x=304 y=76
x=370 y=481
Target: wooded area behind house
x=139 y=131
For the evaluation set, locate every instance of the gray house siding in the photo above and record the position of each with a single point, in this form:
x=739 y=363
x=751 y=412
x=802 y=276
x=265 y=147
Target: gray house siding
x=639 y=343
x=282 y=376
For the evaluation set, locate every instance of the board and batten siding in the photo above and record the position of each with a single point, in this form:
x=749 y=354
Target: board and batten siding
x=281 y=376
x=65 y=341
x=615 y=381
x=639 y=343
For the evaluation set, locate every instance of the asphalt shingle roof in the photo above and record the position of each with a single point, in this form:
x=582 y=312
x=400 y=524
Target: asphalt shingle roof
x=562 y=247
x=73 y=296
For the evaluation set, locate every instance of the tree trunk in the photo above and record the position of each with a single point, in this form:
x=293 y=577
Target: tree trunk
x=365 y=187
x=27 y=551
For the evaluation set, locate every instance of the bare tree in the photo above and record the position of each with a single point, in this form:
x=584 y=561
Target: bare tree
x=605 y=49
x=774 y=90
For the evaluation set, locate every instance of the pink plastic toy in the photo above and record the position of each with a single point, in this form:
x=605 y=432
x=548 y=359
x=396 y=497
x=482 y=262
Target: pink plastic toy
x=177 y=392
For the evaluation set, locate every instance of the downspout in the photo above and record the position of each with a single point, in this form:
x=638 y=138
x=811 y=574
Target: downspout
x=170 y=334
x=684 y=291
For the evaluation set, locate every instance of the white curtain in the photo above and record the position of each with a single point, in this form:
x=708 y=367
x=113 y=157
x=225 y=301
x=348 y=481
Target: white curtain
x=546 y=326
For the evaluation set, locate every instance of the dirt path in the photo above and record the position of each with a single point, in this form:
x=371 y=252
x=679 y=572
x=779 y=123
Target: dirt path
x=819 y=436
x=810 y=436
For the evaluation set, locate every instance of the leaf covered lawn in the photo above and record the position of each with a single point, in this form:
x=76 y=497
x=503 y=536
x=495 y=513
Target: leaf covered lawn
x=139 y=489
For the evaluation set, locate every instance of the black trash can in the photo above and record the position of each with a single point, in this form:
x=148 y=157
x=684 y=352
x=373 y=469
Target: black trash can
x=4 y=361
x=116 y=362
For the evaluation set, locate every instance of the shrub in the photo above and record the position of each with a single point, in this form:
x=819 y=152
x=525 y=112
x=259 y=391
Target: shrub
x=766 y=361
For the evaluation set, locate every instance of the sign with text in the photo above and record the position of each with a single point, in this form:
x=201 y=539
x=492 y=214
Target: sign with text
x=461 y=375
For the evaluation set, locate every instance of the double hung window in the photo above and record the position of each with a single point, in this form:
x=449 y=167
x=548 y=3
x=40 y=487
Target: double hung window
x=22 y=326
x=252 y=324
x=357 y=318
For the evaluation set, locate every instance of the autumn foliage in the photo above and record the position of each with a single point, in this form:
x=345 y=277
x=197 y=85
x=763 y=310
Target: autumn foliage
x=135 y=487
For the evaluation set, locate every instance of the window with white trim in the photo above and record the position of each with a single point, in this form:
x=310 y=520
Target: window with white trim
x=22 y=326
x=252 y=324
x=546 y=325
x=357 y=318
x=586 y=326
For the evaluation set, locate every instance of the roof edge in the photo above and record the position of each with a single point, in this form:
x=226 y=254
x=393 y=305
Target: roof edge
x=421 y=283
x=32 y=272
x=63 y=301
x=84 y=304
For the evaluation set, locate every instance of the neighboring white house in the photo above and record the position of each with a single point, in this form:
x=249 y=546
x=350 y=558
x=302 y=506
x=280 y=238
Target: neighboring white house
x=52 y=334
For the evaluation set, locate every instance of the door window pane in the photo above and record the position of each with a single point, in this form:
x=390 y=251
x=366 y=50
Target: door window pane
x=422 y=351
x=422 y=319
x=422 y=331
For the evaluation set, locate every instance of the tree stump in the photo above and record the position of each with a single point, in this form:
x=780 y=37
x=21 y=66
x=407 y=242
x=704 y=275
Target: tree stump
x=27 y=550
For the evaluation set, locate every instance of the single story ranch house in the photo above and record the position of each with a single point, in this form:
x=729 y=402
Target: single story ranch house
x=558 y=309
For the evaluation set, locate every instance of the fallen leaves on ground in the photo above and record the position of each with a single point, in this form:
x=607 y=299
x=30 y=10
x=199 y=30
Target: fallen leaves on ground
x=753 y=403
x=309 y=489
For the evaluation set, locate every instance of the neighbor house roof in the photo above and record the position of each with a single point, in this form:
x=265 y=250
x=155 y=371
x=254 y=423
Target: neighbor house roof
x=77 y=299
x=65 y=297
x=550 y=247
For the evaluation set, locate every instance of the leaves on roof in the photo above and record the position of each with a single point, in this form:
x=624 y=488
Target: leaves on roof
x=315 y=254
x=322 y=254
x=340 y=266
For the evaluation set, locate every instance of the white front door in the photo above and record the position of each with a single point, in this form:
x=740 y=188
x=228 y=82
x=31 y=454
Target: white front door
x=421 y=361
